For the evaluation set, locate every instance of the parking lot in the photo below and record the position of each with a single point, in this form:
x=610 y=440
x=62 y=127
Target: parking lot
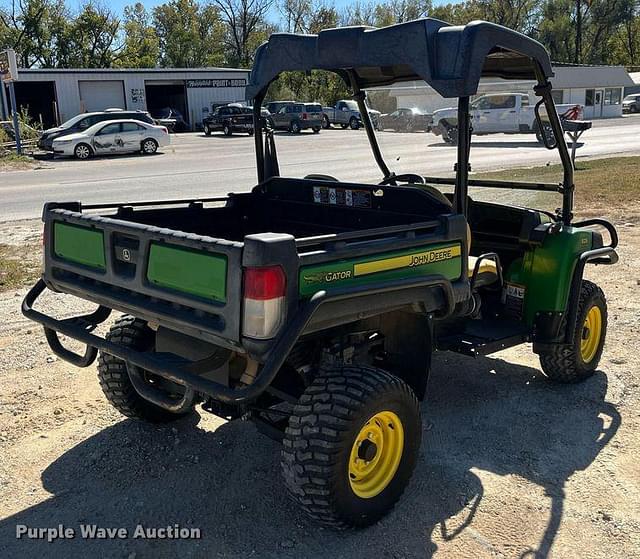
x=196 y=165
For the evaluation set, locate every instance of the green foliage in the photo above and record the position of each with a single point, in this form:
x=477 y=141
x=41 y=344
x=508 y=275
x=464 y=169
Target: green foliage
x=141 y=47
x=190 y=34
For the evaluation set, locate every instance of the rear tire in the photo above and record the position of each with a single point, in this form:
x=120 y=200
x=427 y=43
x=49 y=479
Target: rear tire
x=226 y=129
x=207 y=130
x=316 y=129
x=351 y=445
x=450 y=135
x=344 y=126
x=325 y=122
x=114 y=377
x=577 y=361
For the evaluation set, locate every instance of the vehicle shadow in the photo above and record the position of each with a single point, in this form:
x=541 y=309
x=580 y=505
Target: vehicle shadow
x=483 y=414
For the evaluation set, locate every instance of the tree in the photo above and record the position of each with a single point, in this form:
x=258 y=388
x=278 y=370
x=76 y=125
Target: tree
x=189 y=34
x=141 y=47
x=92 y=38
x=398 y=11
x=245 y=27
x=38 y=30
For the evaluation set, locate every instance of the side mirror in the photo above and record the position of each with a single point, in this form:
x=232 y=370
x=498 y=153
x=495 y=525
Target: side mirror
x=549 y=140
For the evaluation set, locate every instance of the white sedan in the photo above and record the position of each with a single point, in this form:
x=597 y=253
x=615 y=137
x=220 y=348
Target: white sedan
x=113 y=136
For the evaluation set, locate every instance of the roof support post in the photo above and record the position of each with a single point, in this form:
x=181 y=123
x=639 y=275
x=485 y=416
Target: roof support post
x=257 y=133
x=462 y=164
x=360 y=96
x=543 y=89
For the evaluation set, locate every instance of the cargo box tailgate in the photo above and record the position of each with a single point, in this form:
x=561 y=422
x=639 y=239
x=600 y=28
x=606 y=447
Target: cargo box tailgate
x=179 y=280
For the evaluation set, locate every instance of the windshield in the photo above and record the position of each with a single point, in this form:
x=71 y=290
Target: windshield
x=351 y=105
x=69 y=123
x=632 y=97
x=416 y=132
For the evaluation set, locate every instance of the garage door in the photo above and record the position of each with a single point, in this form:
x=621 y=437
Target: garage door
x=101 y=95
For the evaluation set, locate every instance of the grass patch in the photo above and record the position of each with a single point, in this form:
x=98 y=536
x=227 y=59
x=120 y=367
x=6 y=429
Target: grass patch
x=13 y=161
x=19 y=265
x=610 y=183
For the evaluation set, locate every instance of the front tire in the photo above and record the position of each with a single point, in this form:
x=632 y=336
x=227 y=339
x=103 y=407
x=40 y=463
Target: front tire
x=353 y=123
x=114 y=377
x=577 y=361
x=149 y=146
x=295 y=127
x=316 y=129
x=351 y=445
x=83 y=151
x=207 y=130
x=226 y=129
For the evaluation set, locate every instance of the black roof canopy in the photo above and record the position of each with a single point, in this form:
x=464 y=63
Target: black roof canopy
x=451 y=59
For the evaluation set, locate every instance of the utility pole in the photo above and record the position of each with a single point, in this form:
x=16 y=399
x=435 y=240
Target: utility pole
x=9 y=74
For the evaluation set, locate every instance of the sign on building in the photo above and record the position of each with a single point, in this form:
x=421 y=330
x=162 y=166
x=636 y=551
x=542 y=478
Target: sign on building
x=8 y=66
x=236 y=82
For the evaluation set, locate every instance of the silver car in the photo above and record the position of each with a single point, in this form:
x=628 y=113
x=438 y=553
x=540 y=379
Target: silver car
x=113 y=137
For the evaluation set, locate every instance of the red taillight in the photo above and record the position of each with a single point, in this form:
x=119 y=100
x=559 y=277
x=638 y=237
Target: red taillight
x=304 y=116
x=263 y=302
x=165 y=129
x=264 y=283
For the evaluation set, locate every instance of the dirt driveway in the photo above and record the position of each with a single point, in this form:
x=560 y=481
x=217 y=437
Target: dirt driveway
x=511 y=465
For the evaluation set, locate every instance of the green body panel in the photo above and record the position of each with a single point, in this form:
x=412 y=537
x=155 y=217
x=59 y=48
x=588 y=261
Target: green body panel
x=81 y=245
x=440 y=259
x=194 y=272
x=546 y=271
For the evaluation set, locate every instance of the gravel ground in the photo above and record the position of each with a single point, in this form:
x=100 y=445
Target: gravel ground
x=510 y=466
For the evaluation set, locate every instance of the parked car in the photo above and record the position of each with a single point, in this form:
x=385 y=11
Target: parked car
x=171 y=118
x=118 y=136
x=406 y=120
x=347 y=114
x=229 y=119
x=498 y=113
x=631 y=103
x=296 y=117
x=84 y=121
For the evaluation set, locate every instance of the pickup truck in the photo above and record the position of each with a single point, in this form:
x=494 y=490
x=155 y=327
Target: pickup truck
x=498 y=113
x=229 y=119
x=347 y=114
x=312 y=307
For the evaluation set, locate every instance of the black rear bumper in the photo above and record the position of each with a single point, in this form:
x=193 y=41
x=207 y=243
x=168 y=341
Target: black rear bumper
x=180 y=371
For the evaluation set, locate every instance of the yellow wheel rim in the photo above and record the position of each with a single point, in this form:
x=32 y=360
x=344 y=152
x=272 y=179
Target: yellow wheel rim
x=591 y=334
x=375 y=455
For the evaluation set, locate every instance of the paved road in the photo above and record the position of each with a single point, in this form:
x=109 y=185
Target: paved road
x=199 y=166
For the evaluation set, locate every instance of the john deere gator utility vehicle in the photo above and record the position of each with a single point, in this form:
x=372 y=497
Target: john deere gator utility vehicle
x=313 y=306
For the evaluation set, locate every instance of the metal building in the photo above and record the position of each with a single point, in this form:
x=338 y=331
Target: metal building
x=53 y=96
x=599 y=89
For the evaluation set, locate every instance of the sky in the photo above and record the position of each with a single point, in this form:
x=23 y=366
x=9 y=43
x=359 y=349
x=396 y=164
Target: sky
x=118 y=5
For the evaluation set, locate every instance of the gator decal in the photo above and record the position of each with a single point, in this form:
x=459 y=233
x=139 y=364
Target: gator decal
x=444 y=259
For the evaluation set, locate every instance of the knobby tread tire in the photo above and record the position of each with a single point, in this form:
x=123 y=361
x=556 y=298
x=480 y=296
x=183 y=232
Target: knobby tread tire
x=114 y=378
x=563 y=363
x=321 y=432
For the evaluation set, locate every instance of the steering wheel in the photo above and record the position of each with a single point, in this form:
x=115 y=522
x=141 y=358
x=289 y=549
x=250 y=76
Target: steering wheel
x=410 y=178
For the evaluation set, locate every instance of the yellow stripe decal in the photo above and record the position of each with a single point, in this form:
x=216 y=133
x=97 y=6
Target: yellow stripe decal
x=407 y=261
